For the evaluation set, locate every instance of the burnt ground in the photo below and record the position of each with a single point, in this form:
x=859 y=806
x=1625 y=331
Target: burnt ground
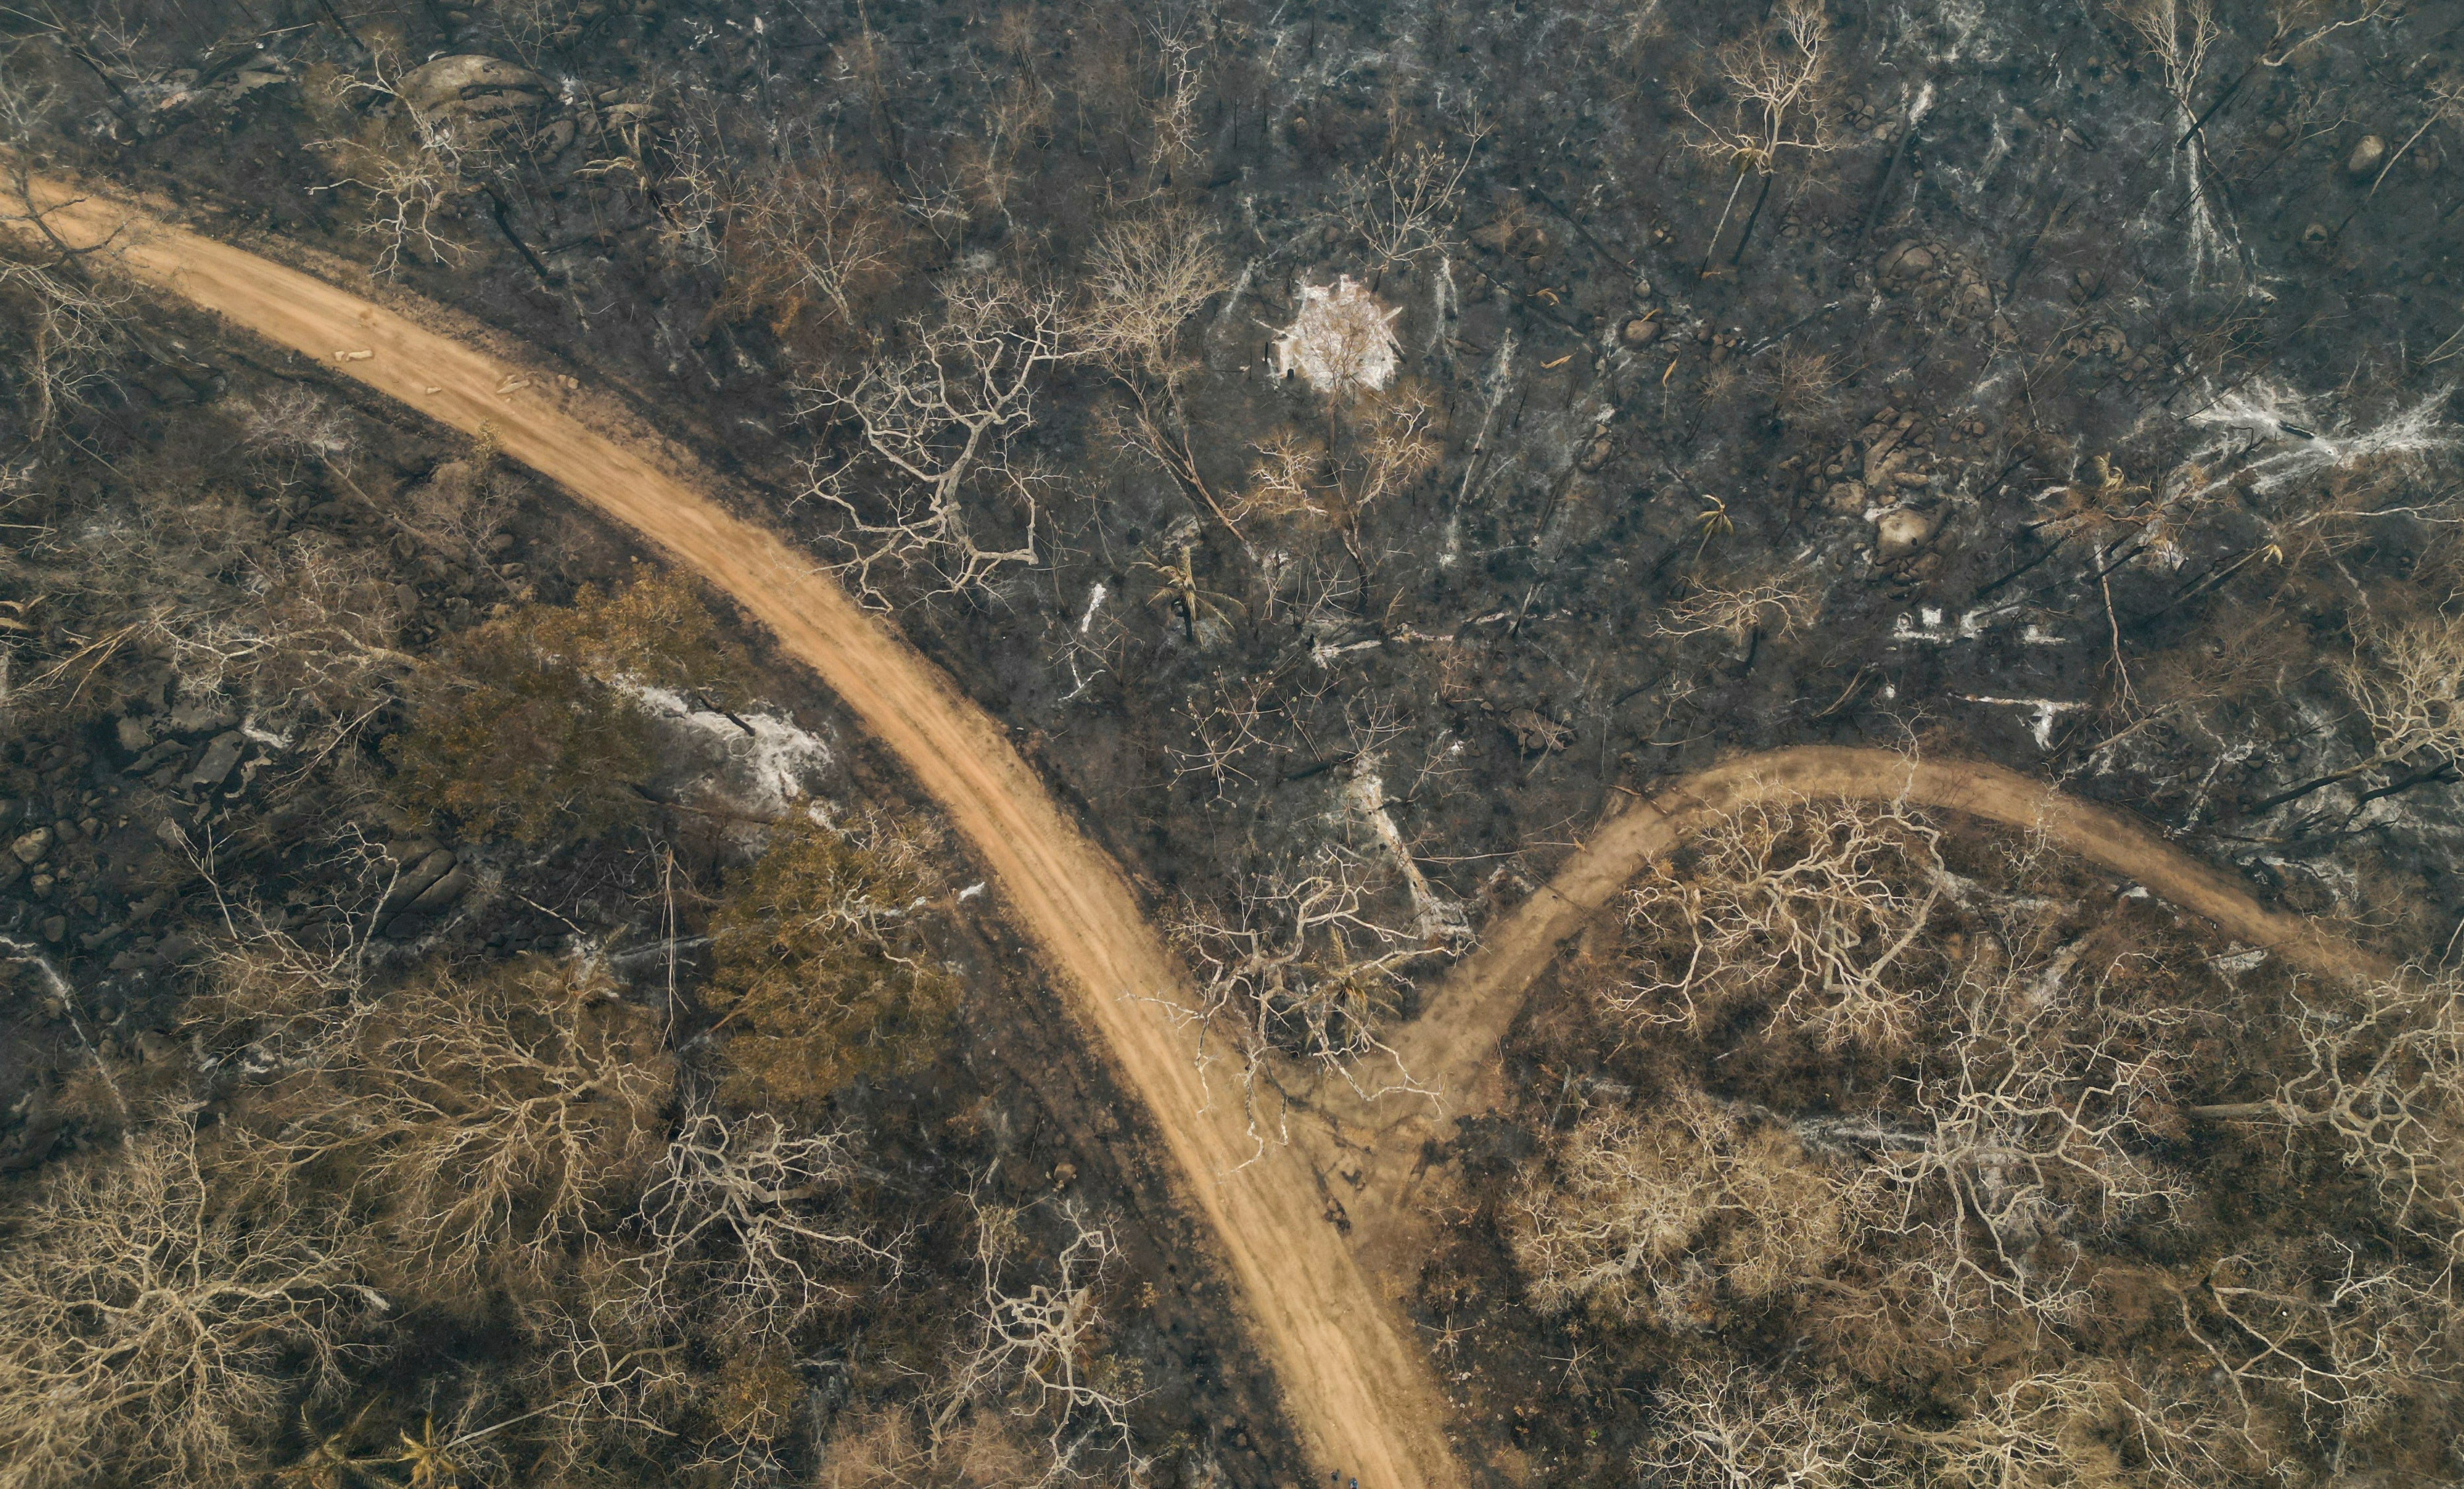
x=2086 y=412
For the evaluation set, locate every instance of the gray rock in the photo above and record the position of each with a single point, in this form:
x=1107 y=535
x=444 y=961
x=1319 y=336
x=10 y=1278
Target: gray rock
x=161 y=754
x=196 y=716
x=134 y=733
x=214 y=766
x=1536 y=733
x=489 y=98
x=418 y=877
x=438 y=85
x=1907 y=260
x=31 y=847
x=443 y=893
x=1639 y=332
x=1899 y=533
x=55 y=928
x=407 y=852
x=2368 y=156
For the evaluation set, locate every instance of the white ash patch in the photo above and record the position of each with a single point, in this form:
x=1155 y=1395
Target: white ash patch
x=762 y=772
x=1342 y=338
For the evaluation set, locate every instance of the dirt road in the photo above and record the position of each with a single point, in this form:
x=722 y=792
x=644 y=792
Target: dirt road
x=1452 y=1045
x=1363 y=1402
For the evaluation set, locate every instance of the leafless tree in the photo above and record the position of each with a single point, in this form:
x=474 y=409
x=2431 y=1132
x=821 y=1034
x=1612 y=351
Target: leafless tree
x=497 y=1123
x=2072 y=1425
x=1038 y=1349
x=1227 y=727
x=72 y=324
x=792 y=228
x=414 y=175
x=149 y=1331
x=1152 y=272
x=2409 y=681
x=1403 y=203
x=732 y=1215
x=927 y=471
x=1724 y=1426
x=1300 y=963
x=1773 y=104
x=1779 y=606
x=1816 y=908
x=2029 y=1136
x=1173 y=123
x=1673 y=1215
x=2317 y=1328
x=607 y=1361
x=2383 y=1073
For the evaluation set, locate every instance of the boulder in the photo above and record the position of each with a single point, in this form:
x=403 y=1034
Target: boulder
x=439 y=86
x=416 y=880
x=197 y=715
x=134 y=733
x=443 y=893
x=30 y=848
x=1907 y=260
x=2369 y=155
x=214 y=766
x=484 y=97
x=1639 y=332
x=1901 y=531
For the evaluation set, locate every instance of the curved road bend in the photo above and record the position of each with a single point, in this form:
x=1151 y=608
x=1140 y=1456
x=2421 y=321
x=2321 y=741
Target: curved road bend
x=1452 y=1044
x=1362 y=1401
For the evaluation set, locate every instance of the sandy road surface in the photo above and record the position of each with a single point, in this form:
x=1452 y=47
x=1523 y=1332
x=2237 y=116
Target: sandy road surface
x=1452 y=1044
x=1364 y=1403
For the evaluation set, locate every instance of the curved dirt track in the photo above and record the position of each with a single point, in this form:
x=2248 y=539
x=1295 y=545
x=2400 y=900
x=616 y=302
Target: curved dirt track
x=1451 y=1045
x=1364 y=1403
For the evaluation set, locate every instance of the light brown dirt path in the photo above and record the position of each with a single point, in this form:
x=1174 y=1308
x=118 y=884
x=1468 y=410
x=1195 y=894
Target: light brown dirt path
x=1364 y=1404
x=1453 y=1047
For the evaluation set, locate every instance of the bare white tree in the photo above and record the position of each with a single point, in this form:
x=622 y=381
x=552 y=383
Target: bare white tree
x=1732 y=1426
x=149 y=1330
x=2317 y=1328
x=1403 y=204
x=1779 y=606
x=926 y=474
x=2029 y=1136
x=741 y=1198
x=414 y=176
x=1038 y=1349
x=72 y=324
x=497 y=1123
x=1773 y=104
x=1818 y=910
x=2384 y=1074
x=1302 y=963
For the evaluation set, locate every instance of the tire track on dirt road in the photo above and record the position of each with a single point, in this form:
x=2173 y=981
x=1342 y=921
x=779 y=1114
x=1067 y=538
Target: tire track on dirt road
x=1363 y=1402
